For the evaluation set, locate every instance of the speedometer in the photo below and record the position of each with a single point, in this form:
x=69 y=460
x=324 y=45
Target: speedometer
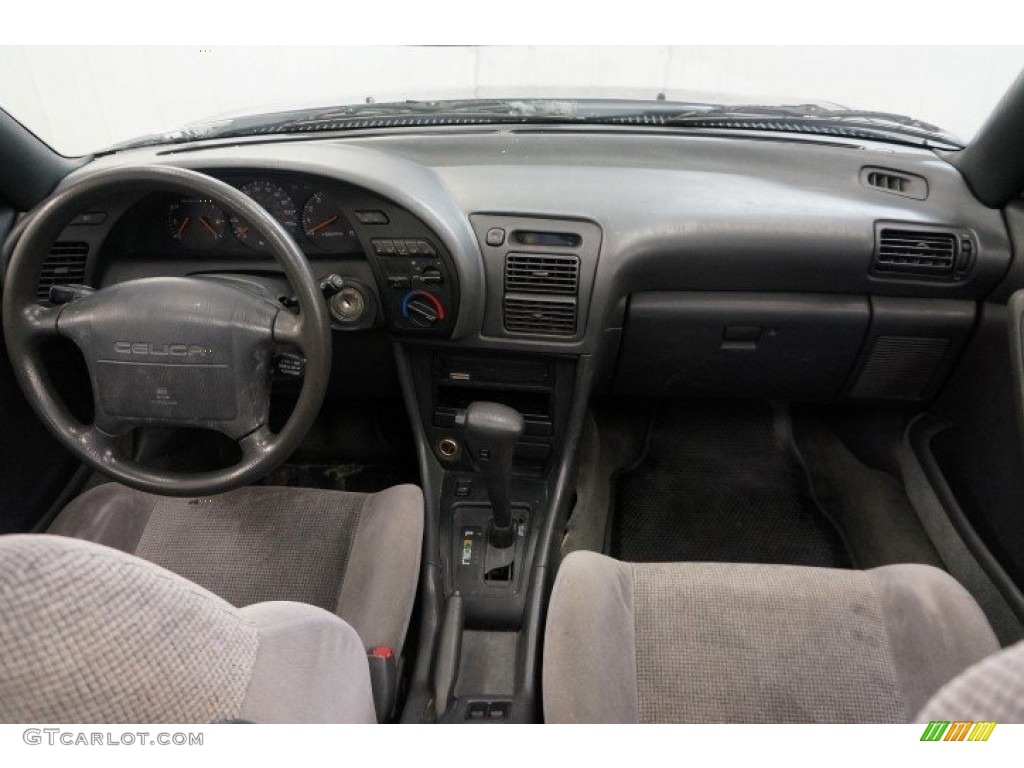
x=277 y=202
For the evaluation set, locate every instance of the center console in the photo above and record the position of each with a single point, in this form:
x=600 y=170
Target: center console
x=495 y=425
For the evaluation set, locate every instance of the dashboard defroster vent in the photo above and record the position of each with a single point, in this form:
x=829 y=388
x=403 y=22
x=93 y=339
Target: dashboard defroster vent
x=542 y=273
x=926 y=253
x=540 y=315
x=65 y=265
x=895 y=182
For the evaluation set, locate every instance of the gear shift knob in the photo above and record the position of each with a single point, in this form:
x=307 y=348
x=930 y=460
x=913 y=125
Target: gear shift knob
x=491 y=433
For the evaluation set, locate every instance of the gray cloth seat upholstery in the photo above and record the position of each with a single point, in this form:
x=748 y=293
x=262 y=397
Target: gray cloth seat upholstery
x=356 y=555
x=93 y=635
x=724 y=642
x=258 y=604
x=993 y=690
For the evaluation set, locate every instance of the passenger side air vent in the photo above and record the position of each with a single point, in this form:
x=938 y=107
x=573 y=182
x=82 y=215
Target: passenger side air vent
x=921 y=252
x=540 y=293
x=539 y=315
x=896 y=182
x=542 y=273
x=64 y=265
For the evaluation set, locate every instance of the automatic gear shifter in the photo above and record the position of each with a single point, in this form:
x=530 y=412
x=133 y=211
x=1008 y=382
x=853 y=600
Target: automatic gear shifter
x=491 y=434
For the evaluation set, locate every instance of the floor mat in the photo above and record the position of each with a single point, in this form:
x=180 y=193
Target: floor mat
x=721 y=482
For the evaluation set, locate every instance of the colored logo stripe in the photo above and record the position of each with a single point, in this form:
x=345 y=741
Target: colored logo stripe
x=982 y=731
x=960 y=730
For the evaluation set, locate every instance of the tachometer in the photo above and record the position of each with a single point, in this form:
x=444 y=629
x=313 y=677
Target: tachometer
x=277 y=202
x=324 y=222
x=196 y=224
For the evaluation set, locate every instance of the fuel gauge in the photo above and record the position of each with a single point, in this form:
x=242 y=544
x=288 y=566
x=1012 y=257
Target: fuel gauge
x=196 y=224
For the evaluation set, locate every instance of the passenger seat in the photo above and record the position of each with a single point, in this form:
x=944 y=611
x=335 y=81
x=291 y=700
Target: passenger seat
x=744 y=643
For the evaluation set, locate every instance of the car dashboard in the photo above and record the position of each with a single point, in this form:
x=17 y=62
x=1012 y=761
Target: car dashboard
x=505 y=260
x=733 y=261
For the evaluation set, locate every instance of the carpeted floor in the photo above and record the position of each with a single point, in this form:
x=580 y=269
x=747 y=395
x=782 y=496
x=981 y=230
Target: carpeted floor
x=721 y=481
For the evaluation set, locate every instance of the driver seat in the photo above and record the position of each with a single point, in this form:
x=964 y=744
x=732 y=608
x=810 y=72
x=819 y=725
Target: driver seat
x=257 y=604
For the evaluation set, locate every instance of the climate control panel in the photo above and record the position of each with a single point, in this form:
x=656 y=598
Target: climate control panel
x=417 y=288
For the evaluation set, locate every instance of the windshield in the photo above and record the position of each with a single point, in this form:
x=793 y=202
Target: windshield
x=88 y=99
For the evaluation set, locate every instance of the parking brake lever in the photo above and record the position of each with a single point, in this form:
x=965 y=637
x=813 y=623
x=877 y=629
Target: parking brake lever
x=491 y=433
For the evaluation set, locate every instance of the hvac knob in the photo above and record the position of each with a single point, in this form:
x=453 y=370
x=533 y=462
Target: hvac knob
x=423 y=309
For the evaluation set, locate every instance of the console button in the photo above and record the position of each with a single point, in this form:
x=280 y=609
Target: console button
x=400 y=283
x=495 y=236
x=431 y=276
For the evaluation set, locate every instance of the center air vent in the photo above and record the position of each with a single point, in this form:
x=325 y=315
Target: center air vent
x=538 y=315
x=542 y=273
x=65 y=265
x=540 y=293
x=925 y=253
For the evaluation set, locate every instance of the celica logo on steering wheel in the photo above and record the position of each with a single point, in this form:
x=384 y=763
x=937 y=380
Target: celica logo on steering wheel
x=151 y=349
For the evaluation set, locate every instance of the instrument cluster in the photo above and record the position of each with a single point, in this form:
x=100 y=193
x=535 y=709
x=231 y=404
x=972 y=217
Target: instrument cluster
x=314 y=217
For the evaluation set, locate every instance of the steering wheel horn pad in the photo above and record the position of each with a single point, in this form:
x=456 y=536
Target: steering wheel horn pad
x=175 y=351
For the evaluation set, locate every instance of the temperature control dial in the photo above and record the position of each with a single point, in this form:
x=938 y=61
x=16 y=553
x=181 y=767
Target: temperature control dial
x=423 y=309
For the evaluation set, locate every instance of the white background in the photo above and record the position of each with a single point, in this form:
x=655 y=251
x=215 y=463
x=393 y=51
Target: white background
x=85 y=98
x=598 y=746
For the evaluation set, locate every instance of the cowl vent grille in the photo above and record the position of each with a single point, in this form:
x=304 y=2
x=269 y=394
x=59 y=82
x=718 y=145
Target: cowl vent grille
x=537 y=315
x=65 y=265
x=912 y=252
x=542 y=273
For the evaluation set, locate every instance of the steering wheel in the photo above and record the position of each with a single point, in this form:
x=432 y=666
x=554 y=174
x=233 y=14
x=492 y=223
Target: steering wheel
x=168 y=351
